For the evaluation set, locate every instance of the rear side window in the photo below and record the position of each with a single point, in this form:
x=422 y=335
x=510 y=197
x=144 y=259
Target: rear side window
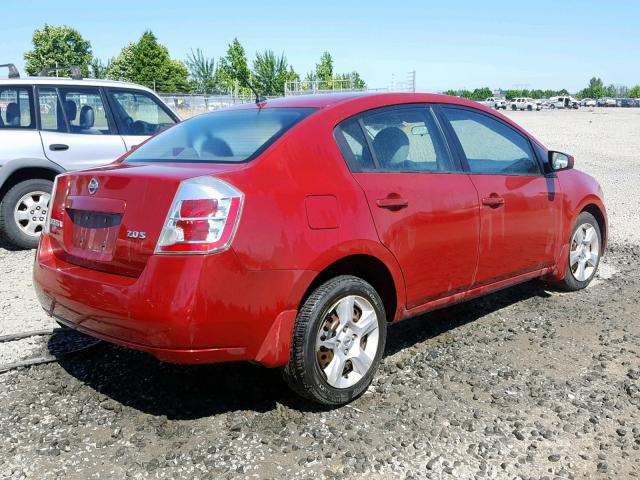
x=71 y=110
x=490 y=146
x=16 y=108
x=231 y=136
x=85 y=111
x=402 y=139
x=138 y=113
x=353 y=145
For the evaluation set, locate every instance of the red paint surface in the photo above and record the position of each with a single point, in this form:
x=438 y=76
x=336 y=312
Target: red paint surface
x=302 y=211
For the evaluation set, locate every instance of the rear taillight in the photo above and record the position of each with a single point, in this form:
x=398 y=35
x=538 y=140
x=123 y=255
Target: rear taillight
x=203 y=217
x=55 y=214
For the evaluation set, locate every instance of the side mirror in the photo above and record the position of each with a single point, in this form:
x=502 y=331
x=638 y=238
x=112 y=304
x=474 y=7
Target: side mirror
x=560 y=161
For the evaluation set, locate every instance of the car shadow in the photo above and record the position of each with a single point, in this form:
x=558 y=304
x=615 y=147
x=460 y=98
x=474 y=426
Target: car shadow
x=185 y=392
x=4 y=245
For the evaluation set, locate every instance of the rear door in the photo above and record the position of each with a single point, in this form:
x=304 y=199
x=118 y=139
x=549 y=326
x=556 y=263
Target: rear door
x=425 y=210
x=138 y=114
x=519 y=210
x=76 y=127
x=18 y=135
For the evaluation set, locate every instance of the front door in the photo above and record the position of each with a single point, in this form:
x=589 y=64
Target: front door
x=519 y=208
x=425 y=210
x=138 y=114
x=76 y=129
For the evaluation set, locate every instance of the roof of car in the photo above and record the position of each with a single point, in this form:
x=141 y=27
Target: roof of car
x=331 y=99
x=86 y=82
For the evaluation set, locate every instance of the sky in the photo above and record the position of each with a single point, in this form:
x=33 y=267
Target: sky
x=455 y=44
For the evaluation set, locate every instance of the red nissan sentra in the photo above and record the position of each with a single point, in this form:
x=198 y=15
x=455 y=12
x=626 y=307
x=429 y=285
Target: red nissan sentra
x=293 y=232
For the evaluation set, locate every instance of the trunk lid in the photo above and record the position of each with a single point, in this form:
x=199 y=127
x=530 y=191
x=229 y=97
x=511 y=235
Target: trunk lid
x=113 y=216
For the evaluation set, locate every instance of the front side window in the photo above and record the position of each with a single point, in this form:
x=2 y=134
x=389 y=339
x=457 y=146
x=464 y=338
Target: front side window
x=138 y=113
x=15 y=108
x=403 y=139
x=491 y=146
x=231 y=136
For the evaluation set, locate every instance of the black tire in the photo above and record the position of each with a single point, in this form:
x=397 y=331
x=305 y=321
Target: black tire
x=529 y=107
x=9 y=228
x=303 y=372
x=569 y=283
x=513 y=107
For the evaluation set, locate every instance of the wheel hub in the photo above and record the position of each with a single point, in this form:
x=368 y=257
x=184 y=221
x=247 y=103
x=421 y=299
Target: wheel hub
x=347 y=341
x=30 y=212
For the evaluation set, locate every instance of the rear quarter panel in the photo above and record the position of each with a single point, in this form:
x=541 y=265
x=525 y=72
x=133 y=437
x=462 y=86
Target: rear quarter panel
x=275 y=231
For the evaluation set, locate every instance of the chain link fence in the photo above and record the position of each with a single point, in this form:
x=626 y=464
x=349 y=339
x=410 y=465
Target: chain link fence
x=189 y=105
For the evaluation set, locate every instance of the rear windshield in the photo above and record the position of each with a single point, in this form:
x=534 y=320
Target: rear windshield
x=231 y=136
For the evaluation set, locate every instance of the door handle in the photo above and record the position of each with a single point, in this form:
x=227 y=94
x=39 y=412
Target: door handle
x=58 y=147
x=494 y=201
x=392 y=203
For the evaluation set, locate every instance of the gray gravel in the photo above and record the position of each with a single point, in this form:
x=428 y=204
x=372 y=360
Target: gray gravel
x=527 y=383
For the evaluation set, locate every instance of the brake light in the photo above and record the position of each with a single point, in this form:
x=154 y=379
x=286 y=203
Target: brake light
x=55 y=214
x=203 y=217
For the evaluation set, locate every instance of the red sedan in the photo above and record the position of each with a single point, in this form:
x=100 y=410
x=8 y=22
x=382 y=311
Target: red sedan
x=291 y=233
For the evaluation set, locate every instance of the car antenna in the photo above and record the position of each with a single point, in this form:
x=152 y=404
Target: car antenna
x=260 y=99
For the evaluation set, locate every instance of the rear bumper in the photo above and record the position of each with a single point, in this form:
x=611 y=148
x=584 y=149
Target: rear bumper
x=182 y=308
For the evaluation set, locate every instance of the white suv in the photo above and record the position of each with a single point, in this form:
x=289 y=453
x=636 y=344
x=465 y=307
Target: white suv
x=523 y=103
x=49 y=125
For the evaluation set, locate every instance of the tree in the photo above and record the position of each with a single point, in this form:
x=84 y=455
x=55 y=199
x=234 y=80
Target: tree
x=234 y=67
x=481 y=93
x=351 y=81
x=202 y=71
x=324 y=69
x=148 y=63
x=635 y=92
x=122 y=66
x=270 y=73
x=58 y=47
x=98 y=70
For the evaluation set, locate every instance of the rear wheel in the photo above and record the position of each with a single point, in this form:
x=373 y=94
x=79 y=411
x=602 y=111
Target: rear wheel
x=584 y=253
x=23 y=211
x=338 y=341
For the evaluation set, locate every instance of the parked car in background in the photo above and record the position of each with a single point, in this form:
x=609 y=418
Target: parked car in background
x=563 y=102
x=494 y=102
x=606 y=102
x=291 y=233
x=524 y=103
x=49 y=125
x=587 y=102
x=626 y=102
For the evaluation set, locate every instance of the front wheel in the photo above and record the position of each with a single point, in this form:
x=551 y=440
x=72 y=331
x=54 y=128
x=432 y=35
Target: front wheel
x=338 y=342
x=23 y=211
x=584 y=253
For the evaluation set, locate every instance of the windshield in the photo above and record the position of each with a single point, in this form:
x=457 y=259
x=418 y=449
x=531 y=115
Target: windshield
x=231 y=136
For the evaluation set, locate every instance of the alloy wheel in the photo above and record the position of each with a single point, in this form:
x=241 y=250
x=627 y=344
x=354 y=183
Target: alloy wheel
x=347 y=341
x=584 y=252
x=30 y=212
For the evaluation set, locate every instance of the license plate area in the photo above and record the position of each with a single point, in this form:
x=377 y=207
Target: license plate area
x=95 y=232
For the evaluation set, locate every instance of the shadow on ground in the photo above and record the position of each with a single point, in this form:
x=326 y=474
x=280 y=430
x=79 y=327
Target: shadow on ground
x=139 y=381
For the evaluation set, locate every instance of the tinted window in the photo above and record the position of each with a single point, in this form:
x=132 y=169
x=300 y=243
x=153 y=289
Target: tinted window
x=138 y=113
x=15 y=108
x=353 y=146
x=224 y=136
x=85 y=111
x=403 y=139
x=491 y=146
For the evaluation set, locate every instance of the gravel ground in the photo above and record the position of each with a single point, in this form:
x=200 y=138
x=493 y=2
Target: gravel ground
x=526 y=383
